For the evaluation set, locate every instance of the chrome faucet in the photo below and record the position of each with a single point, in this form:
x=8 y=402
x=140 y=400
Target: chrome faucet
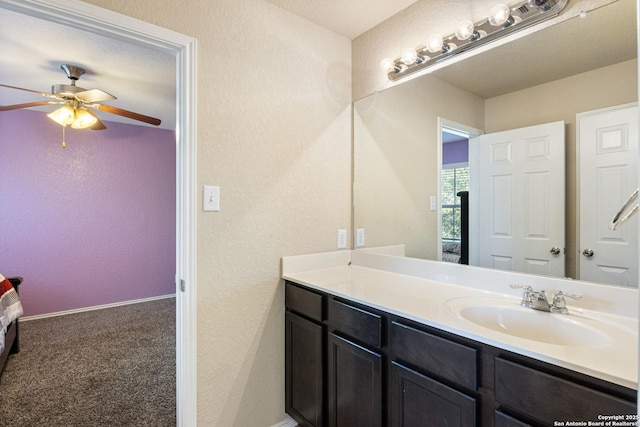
x=537 y=300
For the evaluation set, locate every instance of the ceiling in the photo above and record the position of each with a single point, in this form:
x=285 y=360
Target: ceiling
x=347 y=17
x=33 y=49
x=143 y=80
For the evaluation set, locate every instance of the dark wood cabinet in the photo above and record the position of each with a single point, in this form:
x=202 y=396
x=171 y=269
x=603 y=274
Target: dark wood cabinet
x=545 y=398
x=350 y=365
x=434 y=355
x=419 y=401
x=355 y=384
x=304 y=367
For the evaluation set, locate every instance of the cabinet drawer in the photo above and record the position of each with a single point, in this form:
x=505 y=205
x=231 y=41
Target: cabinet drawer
x=303 y=301
x=355 y=322
x=432 y=354
x=548 y=398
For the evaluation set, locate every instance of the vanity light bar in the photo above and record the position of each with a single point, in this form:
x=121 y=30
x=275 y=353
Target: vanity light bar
x=503 y=21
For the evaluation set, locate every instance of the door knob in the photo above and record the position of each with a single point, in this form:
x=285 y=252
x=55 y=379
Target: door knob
x=588 y=253
x=555 y=250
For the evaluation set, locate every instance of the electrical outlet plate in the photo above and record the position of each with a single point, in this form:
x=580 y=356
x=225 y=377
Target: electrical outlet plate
x=360 y=237
x=342 y=238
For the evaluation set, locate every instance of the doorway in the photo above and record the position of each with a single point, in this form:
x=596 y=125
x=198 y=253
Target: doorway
x=453 y=181
x=183 y=48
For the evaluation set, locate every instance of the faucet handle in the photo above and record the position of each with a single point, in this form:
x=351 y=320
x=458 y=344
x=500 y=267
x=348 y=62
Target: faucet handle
x=559 y=304
x=526 y=288
x=527 y=297
x=563 y=294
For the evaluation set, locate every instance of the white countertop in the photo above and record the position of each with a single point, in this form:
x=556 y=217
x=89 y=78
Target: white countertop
x=405 y=287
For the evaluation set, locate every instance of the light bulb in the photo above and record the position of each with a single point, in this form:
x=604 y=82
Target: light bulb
x=409 y=56
x=435 y=43
x=63 y=115
x=465 y=30
x=83 y=119
x=500 y=14
x=387 y=65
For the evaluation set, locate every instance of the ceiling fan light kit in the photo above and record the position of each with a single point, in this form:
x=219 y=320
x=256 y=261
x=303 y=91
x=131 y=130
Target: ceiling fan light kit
x=77 y=103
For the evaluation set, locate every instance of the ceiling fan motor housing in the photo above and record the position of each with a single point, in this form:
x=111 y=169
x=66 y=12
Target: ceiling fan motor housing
x=66 y=90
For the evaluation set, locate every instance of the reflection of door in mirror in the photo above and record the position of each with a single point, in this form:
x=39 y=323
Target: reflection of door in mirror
x=518 y=221
x=608 y=161
x=453 y=179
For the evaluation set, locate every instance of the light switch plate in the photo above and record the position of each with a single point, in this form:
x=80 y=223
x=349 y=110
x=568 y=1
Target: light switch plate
x=211 y=198
x=432 y=203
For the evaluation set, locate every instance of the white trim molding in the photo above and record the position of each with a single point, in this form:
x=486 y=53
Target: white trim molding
x=77 y=14
x=94 y=307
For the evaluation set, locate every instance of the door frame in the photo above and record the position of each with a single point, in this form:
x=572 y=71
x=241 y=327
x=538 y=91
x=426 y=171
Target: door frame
x=471 y=133
x=101 y=21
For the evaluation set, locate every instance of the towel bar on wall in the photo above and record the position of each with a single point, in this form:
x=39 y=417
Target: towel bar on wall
x=618 y=219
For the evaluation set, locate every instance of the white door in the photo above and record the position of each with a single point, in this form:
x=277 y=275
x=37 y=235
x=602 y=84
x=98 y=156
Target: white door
x=608 y=156
x=517 y=200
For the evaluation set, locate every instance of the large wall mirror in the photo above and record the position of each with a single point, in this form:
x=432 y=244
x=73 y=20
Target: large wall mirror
x=415 y=149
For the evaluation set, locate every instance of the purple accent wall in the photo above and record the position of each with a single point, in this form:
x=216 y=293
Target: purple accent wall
x=90 y=224
x=455 y=152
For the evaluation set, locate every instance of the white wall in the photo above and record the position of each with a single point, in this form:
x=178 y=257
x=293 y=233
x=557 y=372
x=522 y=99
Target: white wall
x=274 y=133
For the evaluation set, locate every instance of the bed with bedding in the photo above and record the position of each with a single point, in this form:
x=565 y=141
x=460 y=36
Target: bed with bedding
x=10 y=311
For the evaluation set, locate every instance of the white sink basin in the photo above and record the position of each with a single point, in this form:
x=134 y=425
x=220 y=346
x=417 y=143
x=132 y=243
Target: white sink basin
x=508 y=317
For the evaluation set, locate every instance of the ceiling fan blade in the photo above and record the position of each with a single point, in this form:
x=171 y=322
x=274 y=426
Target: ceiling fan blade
x=93 y=95
x=27 y=90
x=127 y=114
x=26 y=105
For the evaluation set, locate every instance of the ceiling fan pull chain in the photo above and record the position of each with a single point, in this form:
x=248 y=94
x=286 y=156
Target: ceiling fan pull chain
x=64 y=144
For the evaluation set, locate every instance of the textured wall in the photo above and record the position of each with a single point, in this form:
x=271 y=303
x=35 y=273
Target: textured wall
x=274 y=134
x=90 y=224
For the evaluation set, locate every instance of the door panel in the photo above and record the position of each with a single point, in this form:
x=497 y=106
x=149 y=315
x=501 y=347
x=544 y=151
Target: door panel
x=517 y=199
x=608 y=156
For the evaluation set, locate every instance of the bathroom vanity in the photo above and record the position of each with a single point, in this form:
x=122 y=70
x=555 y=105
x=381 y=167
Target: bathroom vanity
x=374 y=340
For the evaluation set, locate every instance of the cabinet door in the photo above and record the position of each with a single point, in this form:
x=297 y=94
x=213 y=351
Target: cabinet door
x=303 y=370
x=419 y=401
x=355 y=385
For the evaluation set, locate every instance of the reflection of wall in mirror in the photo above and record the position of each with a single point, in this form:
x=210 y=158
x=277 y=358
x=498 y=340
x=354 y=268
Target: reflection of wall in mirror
x=395 y=172
x=455 y=152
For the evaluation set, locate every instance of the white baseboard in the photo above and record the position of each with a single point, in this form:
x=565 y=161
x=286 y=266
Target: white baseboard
x=289 y=422
x=95 y=307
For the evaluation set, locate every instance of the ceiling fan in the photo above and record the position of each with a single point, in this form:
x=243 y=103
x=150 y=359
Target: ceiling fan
x=77 y=103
